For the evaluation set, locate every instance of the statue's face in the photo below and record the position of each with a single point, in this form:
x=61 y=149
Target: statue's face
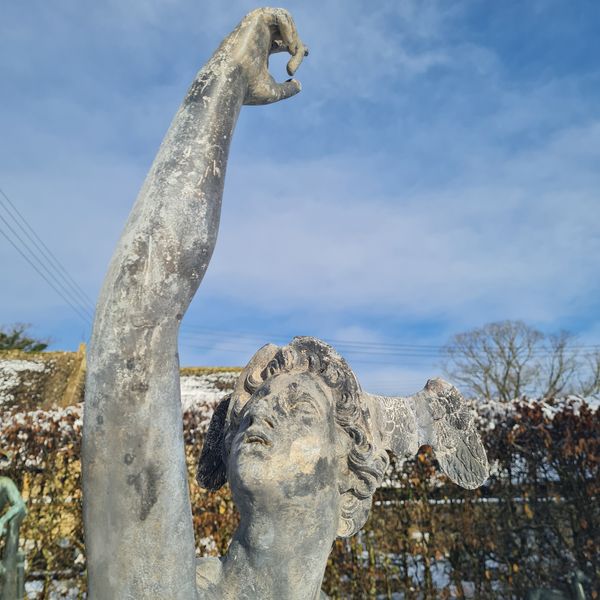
x=286 y=442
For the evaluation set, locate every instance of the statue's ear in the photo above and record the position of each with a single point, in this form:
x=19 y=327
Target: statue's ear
x=212 y=471
x=353 y=514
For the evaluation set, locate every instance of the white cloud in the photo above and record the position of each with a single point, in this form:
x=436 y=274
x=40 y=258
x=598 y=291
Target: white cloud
x=497 y=247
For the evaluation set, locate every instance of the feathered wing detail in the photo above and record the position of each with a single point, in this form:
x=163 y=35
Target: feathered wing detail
x=437 y=416
x=397 y=424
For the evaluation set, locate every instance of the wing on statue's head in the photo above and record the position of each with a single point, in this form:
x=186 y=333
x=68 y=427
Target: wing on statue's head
x=437 y=416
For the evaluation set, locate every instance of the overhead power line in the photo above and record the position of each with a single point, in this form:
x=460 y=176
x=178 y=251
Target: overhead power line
x=345 y=347
x=354 y=359
x=192 y=330
x=46 y=252
x=355 y=355
x=195 y=330
x=368 y=352
x=48 y=281
x=37 y=254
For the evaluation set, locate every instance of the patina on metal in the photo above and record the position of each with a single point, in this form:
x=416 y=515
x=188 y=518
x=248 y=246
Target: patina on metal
x=12 y=513
x=302 y=446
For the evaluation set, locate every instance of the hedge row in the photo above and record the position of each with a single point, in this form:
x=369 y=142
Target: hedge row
x=531 y=525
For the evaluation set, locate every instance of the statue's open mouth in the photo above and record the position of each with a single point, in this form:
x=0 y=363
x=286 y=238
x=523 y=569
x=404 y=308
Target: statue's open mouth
x=257 y=438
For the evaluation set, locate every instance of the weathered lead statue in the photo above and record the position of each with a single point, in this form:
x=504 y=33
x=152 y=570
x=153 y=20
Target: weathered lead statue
x=302 y=447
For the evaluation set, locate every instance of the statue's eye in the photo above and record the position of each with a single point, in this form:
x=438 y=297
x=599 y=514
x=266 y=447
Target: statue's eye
x=303 y=404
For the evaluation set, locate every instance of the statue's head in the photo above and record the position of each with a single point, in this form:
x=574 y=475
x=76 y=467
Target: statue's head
x=298 y=429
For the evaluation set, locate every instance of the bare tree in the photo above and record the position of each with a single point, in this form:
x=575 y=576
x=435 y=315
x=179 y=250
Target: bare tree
x=590 y=385
x=510 y=359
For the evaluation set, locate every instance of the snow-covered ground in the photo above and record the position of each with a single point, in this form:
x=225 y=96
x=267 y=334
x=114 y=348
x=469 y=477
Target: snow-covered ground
x=11 y=373
x=197 y=390
x=62 y=589
x=489 y=411
x=203 y=390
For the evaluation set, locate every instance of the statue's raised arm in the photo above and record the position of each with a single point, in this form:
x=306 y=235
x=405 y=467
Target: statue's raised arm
x=138 y=524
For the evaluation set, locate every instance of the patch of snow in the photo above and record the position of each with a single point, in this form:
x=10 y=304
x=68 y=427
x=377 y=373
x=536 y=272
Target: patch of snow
x=490 y=412
x=199 y=390
x=34 y=589
x=206 y=545
x=57 y=590
x=9 y=376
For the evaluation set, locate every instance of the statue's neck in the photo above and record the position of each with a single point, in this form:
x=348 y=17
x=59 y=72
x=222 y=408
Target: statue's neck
x=278 y=556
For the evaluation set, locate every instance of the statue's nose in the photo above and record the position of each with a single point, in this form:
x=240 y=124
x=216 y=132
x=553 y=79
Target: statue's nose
x=268 y=421
x=261 y=418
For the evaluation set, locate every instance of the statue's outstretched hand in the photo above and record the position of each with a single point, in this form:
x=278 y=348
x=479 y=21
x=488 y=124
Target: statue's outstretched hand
x=261 y=33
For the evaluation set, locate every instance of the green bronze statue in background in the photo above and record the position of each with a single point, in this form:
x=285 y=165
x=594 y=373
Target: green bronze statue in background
x=12 y=571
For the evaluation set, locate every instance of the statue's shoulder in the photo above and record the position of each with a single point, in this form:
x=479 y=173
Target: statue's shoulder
x=208 y=576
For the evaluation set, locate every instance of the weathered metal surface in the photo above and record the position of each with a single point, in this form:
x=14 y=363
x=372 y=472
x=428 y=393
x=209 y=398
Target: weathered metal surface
x=138 y=525
x=301 y=445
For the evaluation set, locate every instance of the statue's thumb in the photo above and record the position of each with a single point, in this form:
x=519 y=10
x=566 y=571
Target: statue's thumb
x=270 y=91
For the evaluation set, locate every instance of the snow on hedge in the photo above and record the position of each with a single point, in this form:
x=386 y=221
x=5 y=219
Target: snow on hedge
x=201 y=393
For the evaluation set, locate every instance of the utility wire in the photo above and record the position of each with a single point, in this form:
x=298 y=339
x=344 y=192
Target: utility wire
x=360 y=345
x=68 y=292
x=245 y=354
x=354 y=357
x=347 y=349
x=81 y=314
x=219 y=339
x=49 y=256
x=191 y=329
x=342 y=346
x=242 y=340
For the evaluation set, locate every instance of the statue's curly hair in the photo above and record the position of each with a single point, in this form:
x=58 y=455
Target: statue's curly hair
x=367 y=460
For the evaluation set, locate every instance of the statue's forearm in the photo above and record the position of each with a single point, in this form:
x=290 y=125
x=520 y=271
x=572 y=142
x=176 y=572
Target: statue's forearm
x=171 y=232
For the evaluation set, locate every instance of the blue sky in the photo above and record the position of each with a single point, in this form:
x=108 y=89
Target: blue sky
x=439 y=170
